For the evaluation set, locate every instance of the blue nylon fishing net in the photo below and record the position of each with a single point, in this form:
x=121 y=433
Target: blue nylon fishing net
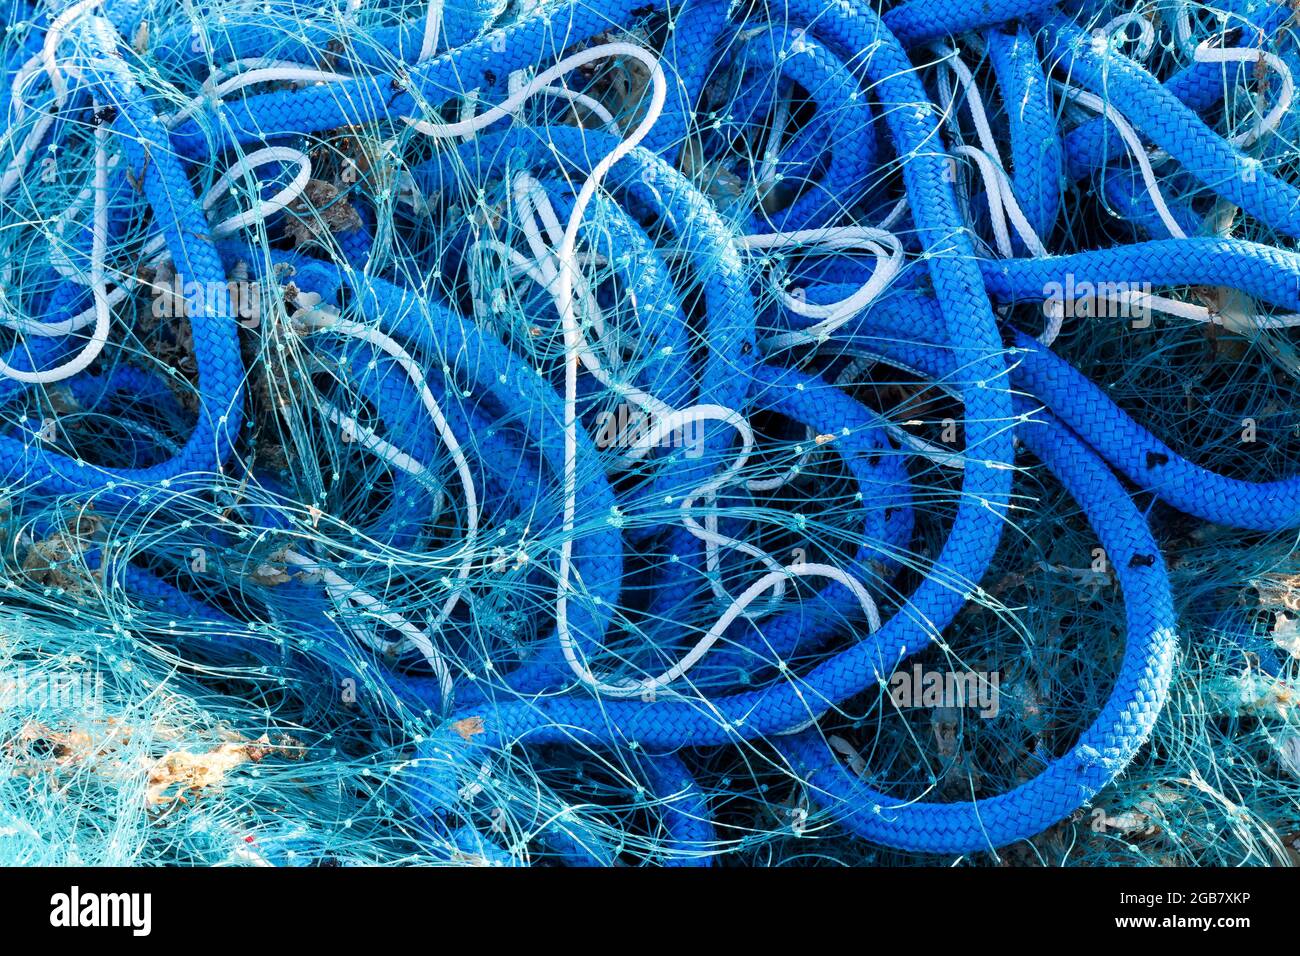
x=708 y=433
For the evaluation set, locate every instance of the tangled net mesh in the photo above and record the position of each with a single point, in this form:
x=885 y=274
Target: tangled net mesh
x=501 y=432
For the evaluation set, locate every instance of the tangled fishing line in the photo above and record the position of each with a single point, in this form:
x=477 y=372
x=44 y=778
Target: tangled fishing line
x=508 y=432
